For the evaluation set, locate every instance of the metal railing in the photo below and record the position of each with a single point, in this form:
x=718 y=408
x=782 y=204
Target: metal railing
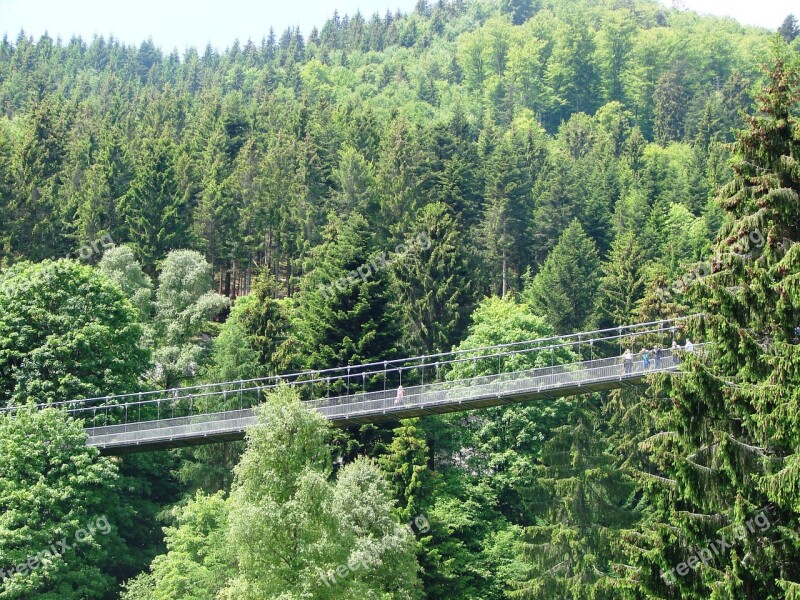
x=344 y=393
x=368 y=377
x=558 y=380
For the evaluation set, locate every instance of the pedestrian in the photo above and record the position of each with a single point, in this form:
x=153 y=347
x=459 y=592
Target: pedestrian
x=689 y=345
x=645 y=358
x=676 y=352
x=627 y=361
x=657 y=356
x=399 y=399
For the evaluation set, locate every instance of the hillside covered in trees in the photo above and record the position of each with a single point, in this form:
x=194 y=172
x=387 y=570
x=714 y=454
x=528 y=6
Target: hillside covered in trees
x=549 y=166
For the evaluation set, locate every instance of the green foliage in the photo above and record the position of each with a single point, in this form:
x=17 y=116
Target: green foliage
x=724 y=446
x=155 y=219
x=52 y=486
x=504 y=321
x=406 y=466
x=622 y=283
x=431 y=284
x=576 y=548
x=286 y=530
x=184 y=307
x=789 y=29
x=344 y=318
x=196 y=565
x=564 y=290
x=66 y=332
x=521 y=137
x=119 y=264
x=504 y=440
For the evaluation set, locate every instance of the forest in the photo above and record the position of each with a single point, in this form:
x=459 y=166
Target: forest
x=549 y=166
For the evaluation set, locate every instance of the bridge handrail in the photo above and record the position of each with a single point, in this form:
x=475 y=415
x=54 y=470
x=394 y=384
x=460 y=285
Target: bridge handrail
x=419 y=397
x=664 y=325
x=341 y=400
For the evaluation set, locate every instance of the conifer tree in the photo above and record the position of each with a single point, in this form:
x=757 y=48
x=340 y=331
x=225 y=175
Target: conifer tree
x=789 y=29
x=565 y=288
x=622 y=283
x=575 y=550
x=432 y=283
x=503 y=230
x=343 y=315
x=153 y=209
x=729 y=431
x=406 y=466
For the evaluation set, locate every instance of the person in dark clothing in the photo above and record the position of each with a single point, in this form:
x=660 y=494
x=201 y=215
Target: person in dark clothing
x=657 y=356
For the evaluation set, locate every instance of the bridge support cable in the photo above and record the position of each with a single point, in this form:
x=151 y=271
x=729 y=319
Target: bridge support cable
x=324 y=387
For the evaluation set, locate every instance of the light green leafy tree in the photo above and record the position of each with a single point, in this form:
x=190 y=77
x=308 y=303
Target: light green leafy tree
x=196 y=565
x=53 y=486
x=184 y=306
x=291 y=529
x=119 y=264
x=66 y=332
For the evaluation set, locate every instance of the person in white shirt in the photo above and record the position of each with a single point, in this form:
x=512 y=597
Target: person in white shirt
x=689 y=345
x=676 y=352
x=627 y=360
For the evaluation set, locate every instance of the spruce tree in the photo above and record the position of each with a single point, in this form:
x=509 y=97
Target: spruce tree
x=575 y=550
x=622 y=283
x=565 y=288
x=506 y=217
x=432 y=284
x=727 y=450
x=343 y=315
x=406 y=466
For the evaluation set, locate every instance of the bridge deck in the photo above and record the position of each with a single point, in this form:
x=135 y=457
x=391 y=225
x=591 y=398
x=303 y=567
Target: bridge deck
x=373 y=407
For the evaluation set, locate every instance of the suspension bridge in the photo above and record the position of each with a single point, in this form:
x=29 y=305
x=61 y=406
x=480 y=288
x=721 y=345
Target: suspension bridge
x=540 y=369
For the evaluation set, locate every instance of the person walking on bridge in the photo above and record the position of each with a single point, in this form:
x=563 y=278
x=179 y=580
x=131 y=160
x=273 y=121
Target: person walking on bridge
x=399 y=399
x=676 y=352
x=627 y=361
x=657 y=356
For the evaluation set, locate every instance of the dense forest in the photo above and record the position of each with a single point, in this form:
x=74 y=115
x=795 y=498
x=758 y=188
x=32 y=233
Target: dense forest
x=549 y=166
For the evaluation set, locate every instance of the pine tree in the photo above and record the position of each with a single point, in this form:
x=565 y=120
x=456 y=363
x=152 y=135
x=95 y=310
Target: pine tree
x=565 y=288
x=731 y=418
x=265 y=324
x=520 y=10
x=556 y=196
x=6 y=191
x=344 y=315
x=431 y=283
